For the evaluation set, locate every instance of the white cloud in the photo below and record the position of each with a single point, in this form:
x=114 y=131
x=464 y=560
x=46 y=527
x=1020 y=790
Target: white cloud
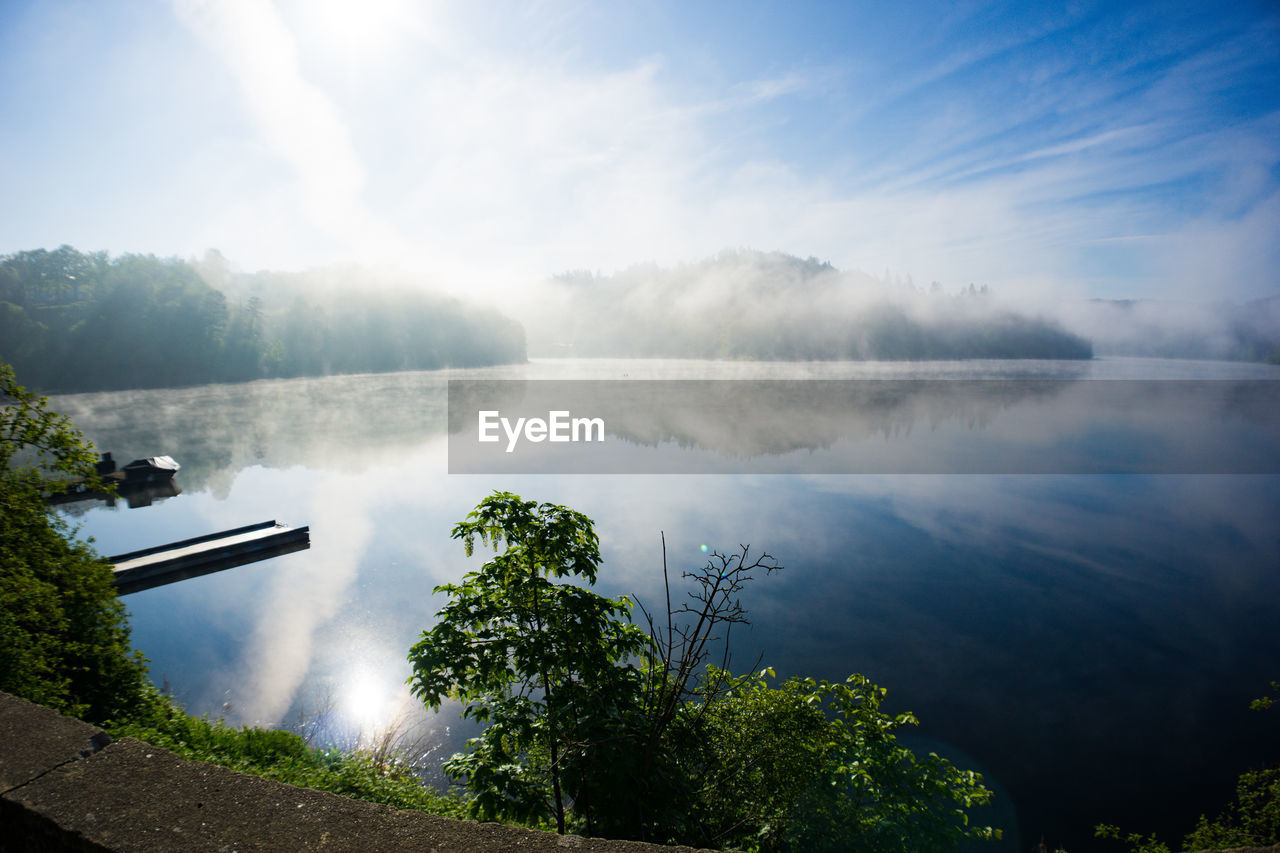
x=295 y=117
x=491 y=154
x=303 y=598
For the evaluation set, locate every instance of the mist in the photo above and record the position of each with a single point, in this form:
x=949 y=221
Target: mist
x=774 y=306
x=1180 y=329
x=75 y=321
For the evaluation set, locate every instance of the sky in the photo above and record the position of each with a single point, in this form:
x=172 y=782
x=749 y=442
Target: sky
x=1082 y=149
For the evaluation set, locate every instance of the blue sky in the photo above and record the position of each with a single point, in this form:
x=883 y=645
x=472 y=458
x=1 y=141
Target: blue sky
x=1095 y=149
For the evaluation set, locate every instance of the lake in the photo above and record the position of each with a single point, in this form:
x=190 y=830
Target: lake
x=1088 y=636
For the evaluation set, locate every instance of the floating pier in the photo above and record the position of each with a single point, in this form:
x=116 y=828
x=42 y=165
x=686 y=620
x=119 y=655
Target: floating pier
x=203 y=555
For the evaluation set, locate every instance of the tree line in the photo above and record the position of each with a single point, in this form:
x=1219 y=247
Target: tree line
x=776 y=307
x=76 y=321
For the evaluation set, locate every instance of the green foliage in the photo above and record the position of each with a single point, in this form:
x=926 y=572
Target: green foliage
x=1263 y=703
x=541 y=662
x=578 y=735
x=74 y=321
x=285 y=757
x=35 y=443
x=1253 y=819
x=874 y=793
x=753 y=752
x=1138 y=843
x=675 y=673
x=66 y=638
x=812 y=765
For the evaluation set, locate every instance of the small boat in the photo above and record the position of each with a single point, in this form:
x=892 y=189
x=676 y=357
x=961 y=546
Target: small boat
x=149 y=470
x=140 y=482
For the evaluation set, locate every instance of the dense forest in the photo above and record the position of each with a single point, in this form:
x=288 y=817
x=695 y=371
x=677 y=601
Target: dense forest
x=75 y=321
x=774 y=306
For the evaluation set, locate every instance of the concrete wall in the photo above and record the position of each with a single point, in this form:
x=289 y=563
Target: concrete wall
x=66 y=786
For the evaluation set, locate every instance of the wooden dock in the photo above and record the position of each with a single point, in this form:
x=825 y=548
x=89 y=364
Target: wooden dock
x=203 y=555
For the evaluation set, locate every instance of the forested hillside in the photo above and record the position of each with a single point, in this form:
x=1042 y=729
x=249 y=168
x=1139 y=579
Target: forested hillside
x=774 y=306
x=75 y=321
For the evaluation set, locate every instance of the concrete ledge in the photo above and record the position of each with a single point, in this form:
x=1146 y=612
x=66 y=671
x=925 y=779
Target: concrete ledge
x=64 y=788
x=34 y=740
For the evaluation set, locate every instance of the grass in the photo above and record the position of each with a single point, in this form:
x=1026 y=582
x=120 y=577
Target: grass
x=378 y=776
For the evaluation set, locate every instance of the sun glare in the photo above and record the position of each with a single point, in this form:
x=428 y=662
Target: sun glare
x=364 y=701
x=355 y=30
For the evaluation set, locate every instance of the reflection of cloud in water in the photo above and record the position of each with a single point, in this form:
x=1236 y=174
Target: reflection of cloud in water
x=1048 y=625
x=365 y=666
x=302 y=598
x=316 y=619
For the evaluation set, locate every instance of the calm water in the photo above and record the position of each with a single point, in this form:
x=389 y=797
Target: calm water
x=1090 y=642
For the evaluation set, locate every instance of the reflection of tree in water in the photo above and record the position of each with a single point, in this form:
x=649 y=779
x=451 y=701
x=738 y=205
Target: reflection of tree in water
x=353 y=422
x=1059 y=425
x=134 y=497
x=742 y=417
x=747 y=418
x=753 y=418
x=214 y=431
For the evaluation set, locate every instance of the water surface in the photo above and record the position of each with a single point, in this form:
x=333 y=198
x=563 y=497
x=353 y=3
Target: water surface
x=1089 y=641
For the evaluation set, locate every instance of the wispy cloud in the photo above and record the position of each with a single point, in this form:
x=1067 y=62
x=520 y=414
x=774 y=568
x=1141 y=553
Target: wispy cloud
x=295 y=117
x=499 y=143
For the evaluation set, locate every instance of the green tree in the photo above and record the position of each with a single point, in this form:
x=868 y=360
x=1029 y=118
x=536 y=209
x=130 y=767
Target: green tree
x=542 y=663
x=814 y=766
x=66 y=638
x=871 y=792
x=634 y=735
x=38 y=446
x=243 y=348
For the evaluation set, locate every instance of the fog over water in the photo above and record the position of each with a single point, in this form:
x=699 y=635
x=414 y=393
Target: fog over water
x=1090 y=642
x=770 y=305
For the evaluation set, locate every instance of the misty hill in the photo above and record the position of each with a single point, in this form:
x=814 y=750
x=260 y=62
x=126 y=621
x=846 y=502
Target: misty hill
x=773 y=306
x=1169 y=329
x=71 y=321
